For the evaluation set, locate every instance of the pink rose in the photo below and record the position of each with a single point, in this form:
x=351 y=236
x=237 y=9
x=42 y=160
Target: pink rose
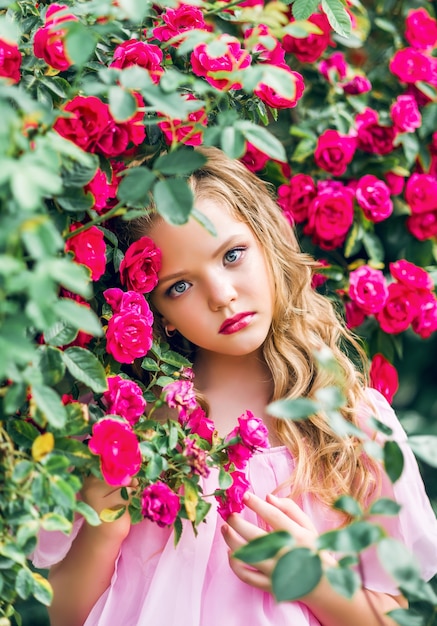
x=10 y=61
x=141 y=53
x=405 y=114
x=180 y=395
x=383 y=377
x=177 y=21
x=319 y=279
x=309 y=49
x=330 y=216
x=128 y=336
x=334 y=67
x=357 y=85
x=238 y=453
x=117 y=445
x=400 y=308
x=88 y=248
x=421 y=193
x=89 y=117
x=128 y=301
x=421 y=29
x=261 y=42
x=140 y=266
x=373 y=196
x=425 y=324
x=188 y=131
x=205 y=62
x=295 y=198
x=196 y=457
x=160 y=504
x=411 y=275
x=411 y=66
x=125 y=398
x=49 y=41
x=253 y=432
x=354 y=314
x=232 y=500
x=395 y=183
x=372 y=136
x=253 y=158
x=102 y=191
x=368 y=288
x=199 y=424
x=423 y=225
x=274 y=99
x=334 y=152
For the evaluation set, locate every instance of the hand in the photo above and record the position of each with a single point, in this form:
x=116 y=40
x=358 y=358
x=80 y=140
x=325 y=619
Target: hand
x=278 y=514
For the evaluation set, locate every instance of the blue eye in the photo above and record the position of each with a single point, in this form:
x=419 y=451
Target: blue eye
x=233 y=255
x=178 y=288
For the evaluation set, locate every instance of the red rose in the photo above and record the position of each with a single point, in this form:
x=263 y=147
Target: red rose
x=411 y=66
x=125 y=398
x=232 y=500
x=199 y=424
x=88 y=120
x=354 y=314
x=188 y=131
x=411 y=275
x=49 y=41
x=421 y=29
x=205 y=62
x=330 y=216
x=10 y=61
x=160 y=504
x=145 y=55
x=309 y=49
x=295 y=198
x=252 y=431
x=383 y=377
x=253 y=158
x=334 y=152
x=421 y=193
x=118 y=448
x=426 y=321
x=140 y=266
x=373 y=196
x=274 y=99
x=333 y=67
x=128 y=301
x=128 y=336
x=356 y=85
x=254 y=39
x=423 y=225
x=400 y=308
x=372 y=137
x=176 y=21
x=88 y=248
x=405 y=114
x=134 y=127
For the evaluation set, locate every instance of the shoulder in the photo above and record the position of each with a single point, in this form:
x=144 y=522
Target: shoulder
x=375 y=405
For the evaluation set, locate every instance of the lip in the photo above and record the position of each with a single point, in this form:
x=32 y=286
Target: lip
x=236 y=322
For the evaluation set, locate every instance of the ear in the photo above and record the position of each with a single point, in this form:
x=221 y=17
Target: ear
x=169 y=327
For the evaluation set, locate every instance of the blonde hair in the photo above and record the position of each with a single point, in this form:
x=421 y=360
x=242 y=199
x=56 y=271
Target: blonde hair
x=304 y=322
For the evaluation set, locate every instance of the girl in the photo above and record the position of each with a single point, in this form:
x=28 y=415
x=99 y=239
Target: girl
x=242 y=301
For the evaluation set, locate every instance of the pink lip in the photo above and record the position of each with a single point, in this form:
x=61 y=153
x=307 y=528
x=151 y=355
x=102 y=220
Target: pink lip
x=236 y=323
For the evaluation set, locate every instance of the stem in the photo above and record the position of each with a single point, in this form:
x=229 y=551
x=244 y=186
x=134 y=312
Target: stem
x=118 y=209
x=368 y=595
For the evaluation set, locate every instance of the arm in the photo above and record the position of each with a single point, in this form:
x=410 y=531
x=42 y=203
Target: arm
x=85 y=573
x=365 y=608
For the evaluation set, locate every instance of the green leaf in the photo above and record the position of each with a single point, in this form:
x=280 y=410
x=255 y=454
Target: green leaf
x=134 y=187
x=393 y=460
x=344 y=581
x=338 y=17
x=41 y=237
x=293 y=409
x=407 y=617
x=74 y=200
x=330 y=398
x=78 y=316
x=175 y=359
x=60 y=334
x=264 y=547
x=374 y=248
x=262 y=139
x=384 y=506
x=122 y=104
x=23 y=433
x=424 y=447
x=225 y=479
x=296 y=574
x=302 y=9
x=353 y=240
x=51 y=365
x=88 y=513
x=179 y=162
x=204 y=221
x=42 y=590
x=174 y=200
x=352 y=538
x=24 y=583
x=348 y=505
x=73 y=276
x=22 y=471
x=84 y=366
x=63 y=494
x=49 y=404
x=54 y=521
x=80 y=42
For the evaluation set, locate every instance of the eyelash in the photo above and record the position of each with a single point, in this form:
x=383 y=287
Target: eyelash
x=174 y=294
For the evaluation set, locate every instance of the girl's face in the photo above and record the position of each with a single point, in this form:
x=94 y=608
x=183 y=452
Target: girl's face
x=216 y=291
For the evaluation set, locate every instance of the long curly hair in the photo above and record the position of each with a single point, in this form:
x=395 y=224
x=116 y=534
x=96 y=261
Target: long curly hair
x=304 y=323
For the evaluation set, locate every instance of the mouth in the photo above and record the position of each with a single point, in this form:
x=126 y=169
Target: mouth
x=236 y=323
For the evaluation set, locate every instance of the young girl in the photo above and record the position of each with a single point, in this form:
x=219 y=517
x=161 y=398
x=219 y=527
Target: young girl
x=243 y=302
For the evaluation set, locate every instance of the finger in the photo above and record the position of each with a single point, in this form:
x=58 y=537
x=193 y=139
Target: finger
x=249 y=575
x=232 y=538
x=244 y=528
x=292 y=510
x=270 y=513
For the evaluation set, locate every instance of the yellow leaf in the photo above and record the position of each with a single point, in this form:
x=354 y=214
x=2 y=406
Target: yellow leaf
x=42 y=445
x=110 y=515
x=191 y=499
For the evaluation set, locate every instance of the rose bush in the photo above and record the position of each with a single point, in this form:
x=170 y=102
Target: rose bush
x=101 y=103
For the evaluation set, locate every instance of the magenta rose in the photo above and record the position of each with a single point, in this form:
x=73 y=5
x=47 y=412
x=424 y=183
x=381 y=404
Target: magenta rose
x=160 y=504
x=238 y=453
x=423 y=225
x=177 y=21
x=140 y=266
x=180 y=395
x=253 y=158
x=411 y=66
x=188 y=131
x=117 y=445
x=49 y=41
x=373 y=137
x=383 y=377
x=101 y=190
x=253 y=432
x=198 y=423
x=255 y=38
x=330 y=216
x=395 y=183
x=368 y=289
x=401 y=307
x=125 y=398
x=309 y=49
x=88 y=248
x=357 y=85
x=205 y=62
x=128 y=336
x=405 y=114
x=274 y=99
x=334 y=152
x=425 y=324
x=421 y=193
x=421 y=29
x=134 y=126
x=124 y=301
x=196 y=457
x=88 y=119
x=411 y=275
x=373 y=196
x=232 y=500
x=141 y=53
x=334 y=67
x=354 y=314
x=295 y=198
x=10 y=61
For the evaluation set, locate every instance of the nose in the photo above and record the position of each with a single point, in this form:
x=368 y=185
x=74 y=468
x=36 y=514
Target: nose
x=221 y=291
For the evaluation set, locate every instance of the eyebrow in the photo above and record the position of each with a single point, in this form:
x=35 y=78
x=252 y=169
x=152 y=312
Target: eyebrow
x=223 y=246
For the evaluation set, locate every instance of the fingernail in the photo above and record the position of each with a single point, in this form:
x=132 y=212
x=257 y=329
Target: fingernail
x=246 y=497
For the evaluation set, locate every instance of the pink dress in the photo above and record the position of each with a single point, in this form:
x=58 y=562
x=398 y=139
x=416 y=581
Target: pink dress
x=192 y=584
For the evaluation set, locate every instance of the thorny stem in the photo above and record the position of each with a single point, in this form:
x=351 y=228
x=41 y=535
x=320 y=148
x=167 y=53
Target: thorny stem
x=118 y=209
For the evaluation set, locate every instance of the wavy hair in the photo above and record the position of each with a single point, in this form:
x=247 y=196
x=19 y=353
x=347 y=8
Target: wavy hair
x=304 y=322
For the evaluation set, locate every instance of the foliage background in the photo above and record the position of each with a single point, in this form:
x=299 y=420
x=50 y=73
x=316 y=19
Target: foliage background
x=41 y=194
